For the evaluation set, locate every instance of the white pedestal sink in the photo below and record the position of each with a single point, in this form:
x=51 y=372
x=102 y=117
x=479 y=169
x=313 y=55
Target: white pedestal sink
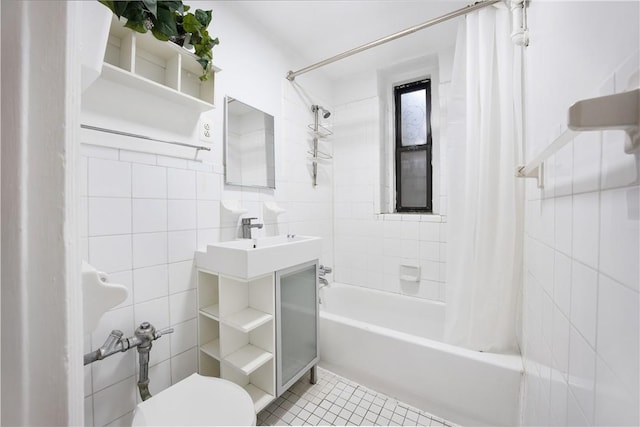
x=249 y=258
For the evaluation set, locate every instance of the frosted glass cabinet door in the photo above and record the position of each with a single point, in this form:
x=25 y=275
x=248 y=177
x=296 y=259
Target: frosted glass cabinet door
x=297 y=323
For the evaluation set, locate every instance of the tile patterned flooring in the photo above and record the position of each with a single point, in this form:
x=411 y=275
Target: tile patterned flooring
x=337 y=401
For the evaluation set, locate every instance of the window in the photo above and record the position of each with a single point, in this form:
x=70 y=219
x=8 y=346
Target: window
x=413 y=147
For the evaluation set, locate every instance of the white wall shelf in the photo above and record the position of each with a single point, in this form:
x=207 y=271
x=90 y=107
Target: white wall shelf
x=247 y=320
x=212 y=311
x=248 y=358
x=129 y=79
x=619 y=111
x=163 y=69
x=212 y=348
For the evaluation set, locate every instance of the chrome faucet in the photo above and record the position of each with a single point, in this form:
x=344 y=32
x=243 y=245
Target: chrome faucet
x=247 y=226
x=141 y=339
x=322 y=271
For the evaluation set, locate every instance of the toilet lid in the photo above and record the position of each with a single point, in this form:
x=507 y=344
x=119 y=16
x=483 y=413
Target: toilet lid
x=198 y=400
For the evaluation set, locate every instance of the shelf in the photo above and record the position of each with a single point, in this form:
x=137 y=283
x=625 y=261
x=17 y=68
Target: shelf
x=212 y=311
x=260 y=397
x=611 y=112
x=163 y=69
x=322 y=132
x=319 y=155
x=248 y=358
x=247 y=319
x=129 y=79
x=212 y=348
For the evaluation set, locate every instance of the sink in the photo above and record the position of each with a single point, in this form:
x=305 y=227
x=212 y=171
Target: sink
x=249 y=258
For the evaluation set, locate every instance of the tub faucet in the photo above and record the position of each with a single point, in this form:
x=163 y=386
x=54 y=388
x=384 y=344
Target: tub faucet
x=247 y=226
x=322 y=271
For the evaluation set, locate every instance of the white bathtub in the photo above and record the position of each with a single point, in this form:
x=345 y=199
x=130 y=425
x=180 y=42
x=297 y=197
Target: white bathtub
x=391 y=343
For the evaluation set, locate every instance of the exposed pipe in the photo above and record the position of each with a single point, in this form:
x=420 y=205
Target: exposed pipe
x=291 y=75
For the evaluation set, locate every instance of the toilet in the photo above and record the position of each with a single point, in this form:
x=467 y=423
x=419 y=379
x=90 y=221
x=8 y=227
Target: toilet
x=198 y=401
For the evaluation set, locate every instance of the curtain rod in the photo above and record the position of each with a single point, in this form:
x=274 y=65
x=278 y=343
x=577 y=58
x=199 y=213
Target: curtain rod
x=291 y=75
x=148 y=138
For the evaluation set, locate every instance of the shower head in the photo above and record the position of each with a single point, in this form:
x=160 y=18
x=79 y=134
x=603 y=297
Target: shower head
x=325 y=113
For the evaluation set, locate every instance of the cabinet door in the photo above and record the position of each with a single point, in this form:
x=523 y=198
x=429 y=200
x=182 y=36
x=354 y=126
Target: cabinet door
x=297 y=323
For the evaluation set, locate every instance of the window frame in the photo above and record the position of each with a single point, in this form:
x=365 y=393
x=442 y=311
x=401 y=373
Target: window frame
x=398 y=91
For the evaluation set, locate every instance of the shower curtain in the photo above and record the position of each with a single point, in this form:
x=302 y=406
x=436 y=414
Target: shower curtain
x=485 y=230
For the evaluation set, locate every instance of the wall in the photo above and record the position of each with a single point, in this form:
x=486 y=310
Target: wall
x=371 y=245
x=580 y=307
x=41 y=299
x=145 y=214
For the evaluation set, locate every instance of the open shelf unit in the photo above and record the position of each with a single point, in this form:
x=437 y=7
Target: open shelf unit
x=236 y=332
x=160 y=68
x=208 y=324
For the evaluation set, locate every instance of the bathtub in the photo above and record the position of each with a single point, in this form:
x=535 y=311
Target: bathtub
x=392 y=344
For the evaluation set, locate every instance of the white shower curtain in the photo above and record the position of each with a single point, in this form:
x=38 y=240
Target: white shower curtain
x=485 y=231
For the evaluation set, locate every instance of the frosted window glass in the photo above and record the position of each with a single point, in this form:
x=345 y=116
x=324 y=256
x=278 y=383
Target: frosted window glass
x=298 y=330
x=413 y=166
x=414 y=118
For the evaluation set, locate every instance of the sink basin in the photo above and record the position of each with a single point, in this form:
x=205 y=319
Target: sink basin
x=249 y=258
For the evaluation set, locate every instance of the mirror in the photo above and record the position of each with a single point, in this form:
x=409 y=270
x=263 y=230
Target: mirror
x=249 y=146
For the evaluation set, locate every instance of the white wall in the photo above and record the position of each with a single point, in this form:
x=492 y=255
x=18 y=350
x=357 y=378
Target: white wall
x=41 y=349
x=370 y=246
x=580 y=307
x=145 y=214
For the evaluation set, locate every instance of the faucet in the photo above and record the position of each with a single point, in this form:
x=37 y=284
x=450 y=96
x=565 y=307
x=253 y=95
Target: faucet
x=141 y=339
x=322 y=271
x=247 y=226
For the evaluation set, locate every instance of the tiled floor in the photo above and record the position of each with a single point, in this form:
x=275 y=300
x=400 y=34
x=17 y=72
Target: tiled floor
x=335 y=400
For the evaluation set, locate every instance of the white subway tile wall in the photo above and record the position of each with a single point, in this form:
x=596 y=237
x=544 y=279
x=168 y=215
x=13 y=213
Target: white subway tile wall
x=370 y=247
x=582 y=275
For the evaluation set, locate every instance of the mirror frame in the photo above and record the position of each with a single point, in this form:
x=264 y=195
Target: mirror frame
x=271 y=174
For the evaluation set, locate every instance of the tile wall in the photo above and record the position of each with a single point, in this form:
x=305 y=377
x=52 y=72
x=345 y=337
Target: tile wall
x=370 y=247
x=581 y=297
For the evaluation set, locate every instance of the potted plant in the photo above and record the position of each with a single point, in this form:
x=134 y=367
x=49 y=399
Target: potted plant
x=170 y=21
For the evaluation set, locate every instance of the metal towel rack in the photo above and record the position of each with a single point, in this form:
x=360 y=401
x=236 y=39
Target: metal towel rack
x=148 y=138
x=612 y=112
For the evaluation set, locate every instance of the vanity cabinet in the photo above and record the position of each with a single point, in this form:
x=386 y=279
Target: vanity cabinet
x=260 y=333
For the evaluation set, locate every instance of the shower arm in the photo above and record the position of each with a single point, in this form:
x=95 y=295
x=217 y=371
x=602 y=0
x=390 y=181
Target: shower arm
x=291 y=75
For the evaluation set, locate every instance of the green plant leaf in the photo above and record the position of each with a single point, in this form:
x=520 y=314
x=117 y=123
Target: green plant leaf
x=152 y=6
x=164 y=26
x=191 y=24
x=159 y=35
x=204 y=17
x=136 y=17
x=204 y=63
x=136 y=26
x=171 y=5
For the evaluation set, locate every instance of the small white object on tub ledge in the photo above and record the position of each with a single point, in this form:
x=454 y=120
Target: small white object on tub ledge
x=410 y=273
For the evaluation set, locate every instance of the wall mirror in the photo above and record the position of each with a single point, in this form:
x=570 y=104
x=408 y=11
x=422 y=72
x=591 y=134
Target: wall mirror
x=248 y=145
